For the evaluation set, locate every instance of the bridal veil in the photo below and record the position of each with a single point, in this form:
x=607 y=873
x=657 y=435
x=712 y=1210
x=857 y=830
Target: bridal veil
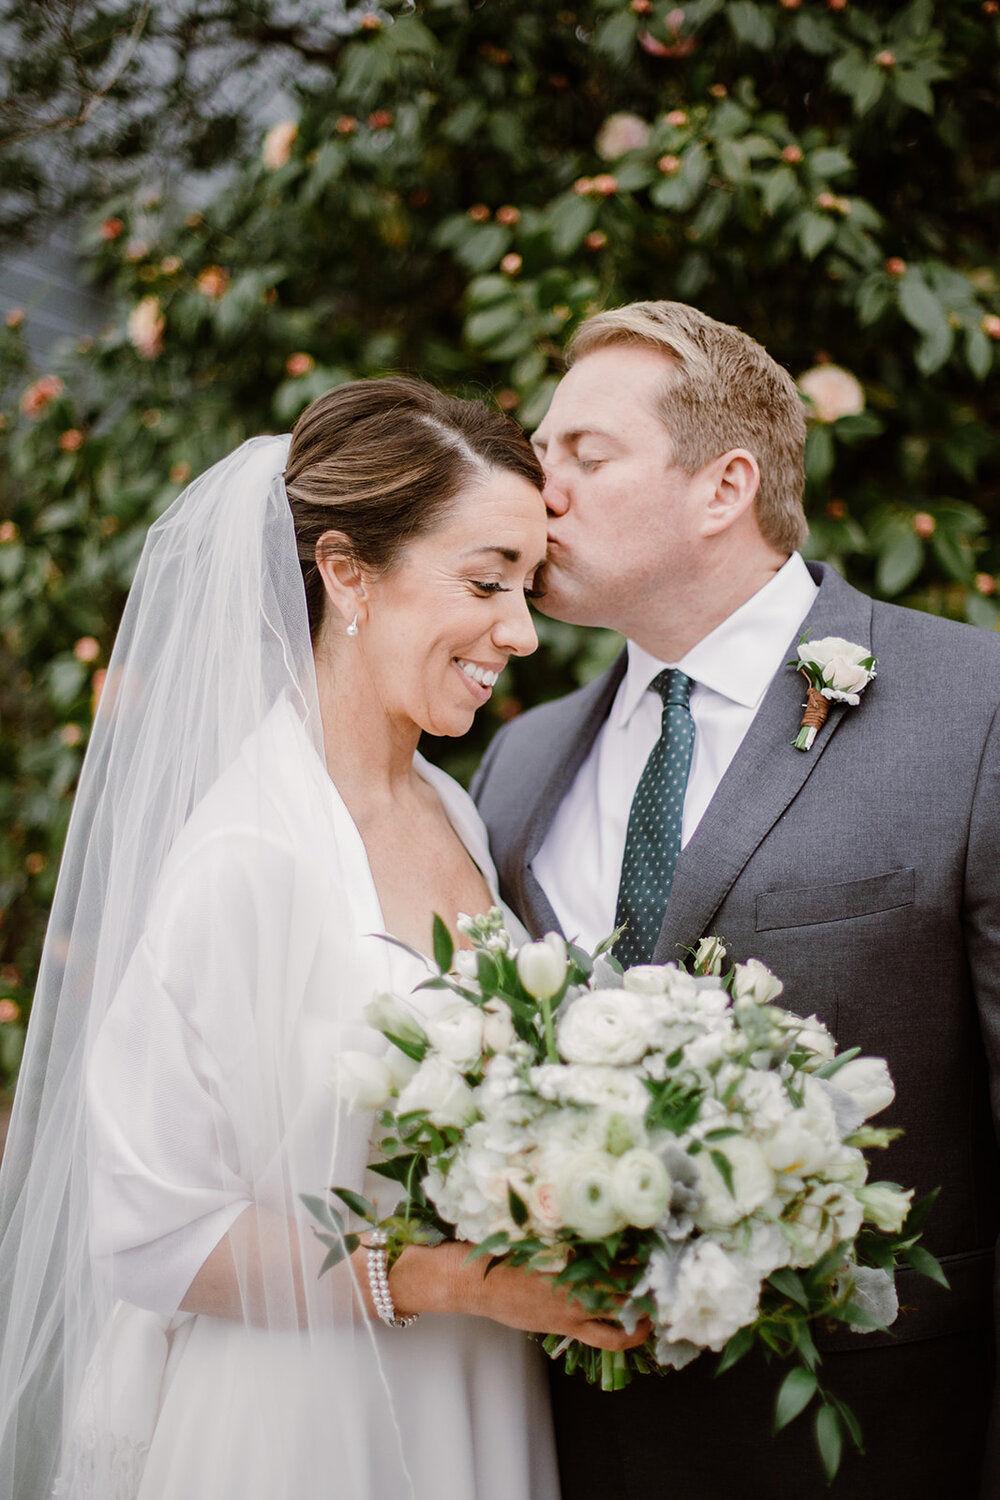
x=207 y=957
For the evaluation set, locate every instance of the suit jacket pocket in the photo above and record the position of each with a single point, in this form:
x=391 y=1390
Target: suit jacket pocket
x=834 y=903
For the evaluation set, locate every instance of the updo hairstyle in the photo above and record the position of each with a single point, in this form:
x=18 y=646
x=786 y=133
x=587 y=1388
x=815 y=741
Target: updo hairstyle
x=380 y=461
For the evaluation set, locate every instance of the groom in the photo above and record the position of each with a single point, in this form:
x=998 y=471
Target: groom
x=864 y=871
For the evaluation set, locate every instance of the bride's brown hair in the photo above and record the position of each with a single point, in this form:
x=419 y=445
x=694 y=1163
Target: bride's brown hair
x=380 y=461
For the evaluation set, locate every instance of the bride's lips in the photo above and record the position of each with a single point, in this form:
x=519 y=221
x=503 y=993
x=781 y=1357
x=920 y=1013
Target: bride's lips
x=472 y=671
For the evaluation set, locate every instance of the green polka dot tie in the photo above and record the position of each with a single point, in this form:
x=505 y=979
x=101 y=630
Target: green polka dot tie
x=653 y=841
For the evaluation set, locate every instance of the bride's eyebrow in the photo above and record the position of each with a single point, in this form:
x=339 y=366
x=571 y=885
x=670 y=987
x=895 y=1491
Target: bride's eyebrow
x=509 y=554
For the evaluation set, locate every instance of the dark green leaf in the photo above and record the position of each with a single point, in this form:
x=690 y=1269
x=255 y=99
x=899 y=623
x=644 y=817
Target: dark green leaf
x=724 y=1168
x=829 y=1438
x=927 y=1264
x=444 y=947
x=739 y=1345
x=794 y=1395
x=518 y=1208
x=789 y=1284
x=357 y=1204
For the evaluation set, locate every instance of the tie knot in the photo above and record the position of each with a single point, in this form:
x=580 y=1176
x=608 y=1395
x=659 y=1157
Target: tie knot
x=673 y=686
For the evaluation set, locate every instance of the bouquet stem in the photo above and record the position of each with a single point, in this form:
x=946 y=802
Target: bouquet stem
x=551 y=1055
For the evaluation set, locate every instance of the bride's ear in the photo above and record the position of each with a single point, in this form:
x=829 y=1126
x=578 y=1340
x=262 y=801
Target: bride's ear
x=343 y=579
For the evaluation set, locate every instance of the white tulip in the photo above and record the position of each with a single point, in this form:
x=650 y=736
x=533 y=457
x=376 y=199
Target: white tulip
x=498 y=1025
x=754 y=981
x=885 y=1205
x=393 y=1017
x=541 y=967
x=708 y=956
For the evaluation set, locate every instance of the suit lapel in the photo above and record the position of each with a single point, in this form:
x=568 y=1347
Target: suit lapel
x=764 y=777
x=584 y=713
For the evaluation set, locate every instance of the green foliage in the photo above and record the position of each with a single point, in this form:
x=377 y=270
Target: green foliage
x=454 y=200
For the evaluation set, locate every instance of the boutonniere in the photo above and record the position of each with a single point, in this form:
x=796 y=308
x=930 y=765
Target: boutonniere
x=837 y=671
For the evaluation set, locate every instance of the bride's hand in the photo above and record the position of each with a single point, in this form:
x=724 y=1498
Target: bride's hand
x=441 y=1280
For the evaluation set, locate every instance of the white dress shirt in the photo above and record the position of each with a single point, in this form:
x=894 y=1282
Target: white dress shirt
x=579 y=863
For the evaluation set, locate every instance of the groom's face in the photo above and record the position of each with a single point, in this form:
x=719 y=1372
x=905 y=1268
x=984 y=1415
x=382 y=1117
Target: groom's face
x=623 y=518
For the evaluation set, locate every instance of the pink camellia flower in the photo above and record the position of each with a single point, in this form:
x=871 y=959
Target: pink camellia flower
x=924 y=524
x=87 y=649
x=15 y=317
x=620 y=133
x=511 y=264
x=508 y=215
x=71 y=440
x=212 y=282
x=8 y=532
x=669 y=164
x=111 y=229
x=9 y=1012
x=604 y=184
x=170 y=263
x=678 y=118
x=300 y=364
x=39 y=395
x=136 y=250
x=834 y=392
x=595 y=240
x=792 y=154
x=146 y=324
x=885 y=59
x=991 y=326
x=278 y=144
x=71 y=734
x=180 y=472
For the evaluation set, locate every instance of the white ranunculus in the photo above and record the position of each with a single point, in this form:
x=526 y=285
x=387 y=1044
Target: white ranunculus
x=713 y=1296
x=498 y=1025
x=761 y=1244
x=764 y=1096
x=752 y=1182
x=620 y=133
x=440 y=1089
x=641 y=1187
x=754 y=981
x=584 y=1187
x=648 y=979
x=834 y=392
x=885 y=1205
x=868 y=1080
x=361 y=1080
x=541 y=967
x=604 y=1026
x=393 y=1017
x=456 y=1033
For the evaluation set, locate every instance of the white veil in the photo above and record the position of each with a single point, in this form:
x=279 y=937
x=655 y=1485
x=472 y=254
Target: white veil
x=207 y=957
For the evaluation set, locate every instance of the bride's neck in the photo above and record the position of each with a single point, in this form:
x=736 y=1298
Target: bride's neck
x=369 y=754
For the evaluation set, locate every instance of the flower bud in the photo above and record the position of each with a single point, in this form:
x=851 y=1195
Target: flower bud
x=361 y=1080
x=388 y=1014
x=541 y=967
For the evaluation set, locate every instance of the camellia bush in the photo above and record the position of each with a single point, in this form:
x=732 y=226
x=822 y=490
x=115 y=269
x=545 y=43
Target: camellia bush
x=456 y=186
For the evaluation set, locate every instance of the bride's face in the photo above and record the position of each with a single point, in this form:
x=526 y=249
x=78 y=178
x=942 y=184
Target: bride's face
x=438 y=628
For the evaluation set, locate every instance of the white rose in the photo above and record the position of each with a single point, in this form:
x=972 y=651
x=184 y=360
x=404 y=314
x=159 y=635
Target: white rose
x=440 y=1089
x=840 y=665
x=811 y=1034
x=605 y=1026
x=885 y=1205
x=541 y=967
x=827 y=1214
x=713 y=1297
x=456 y=1033
x=498 y=1025
x=834 y=392
x=752 y=1182
x=361 y=1080
x=641 y=1187
x=584 y=1188
x=620 y=133
x=393 y=1017
x=708 y=956
x=868 y=1081
x=754 y=981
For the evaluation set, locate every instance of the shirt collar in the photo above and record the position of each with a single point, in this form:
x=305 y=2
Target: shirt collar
x=740 y=656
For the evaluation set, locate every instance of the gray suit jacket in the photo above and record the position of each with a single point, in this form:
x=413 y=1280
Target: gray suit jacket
x=866 y=873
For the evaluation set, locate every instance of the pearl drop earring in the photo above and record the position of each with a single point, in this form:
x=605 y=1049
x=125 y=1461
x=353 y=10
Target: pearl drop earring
x=352 y=629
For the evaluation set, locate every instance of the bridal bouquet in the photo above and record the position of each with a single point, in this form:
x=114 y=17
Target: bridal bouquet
x=664 y=1143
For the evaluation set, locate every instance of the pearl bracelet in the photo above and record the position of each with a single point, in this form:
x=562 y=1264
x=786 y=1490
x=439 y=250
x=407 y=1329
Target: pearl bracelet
x=378 y=1281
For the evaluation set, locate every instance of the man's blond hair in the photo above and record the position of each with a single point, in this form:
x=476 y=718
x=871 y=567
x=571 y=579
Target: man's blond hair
x=723 y=391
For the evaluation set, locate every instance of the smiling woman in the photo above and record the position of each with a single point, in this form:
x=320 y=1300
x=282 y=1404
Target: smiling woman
x=253 y=821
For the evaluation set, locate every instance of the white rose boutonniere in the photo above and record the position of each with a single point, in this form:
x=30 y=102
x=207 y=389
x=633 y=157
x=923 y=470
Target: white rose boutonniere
x=837 y=671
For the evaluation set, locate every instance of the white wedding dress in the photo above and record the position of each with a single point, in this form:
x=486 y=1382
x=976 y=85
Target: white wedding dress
x=210 y=1089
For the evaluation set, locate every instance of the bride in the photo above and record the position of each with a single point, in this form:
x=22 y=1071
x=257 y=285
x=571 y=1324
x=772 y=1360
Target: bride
x=252 y=819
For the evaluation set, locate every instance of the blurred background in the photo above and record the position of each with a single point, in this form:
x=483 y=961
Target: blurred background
x=212 y=210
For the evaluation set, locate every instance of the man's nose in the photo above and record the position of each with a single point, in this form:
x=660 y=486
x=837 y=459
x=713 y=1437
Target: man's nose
x=554 y=494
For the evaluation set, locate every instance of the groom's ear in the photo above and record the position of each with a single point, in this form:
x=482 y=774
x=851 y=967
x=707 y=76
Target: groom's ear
x=342 y=577
x=731 y=482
